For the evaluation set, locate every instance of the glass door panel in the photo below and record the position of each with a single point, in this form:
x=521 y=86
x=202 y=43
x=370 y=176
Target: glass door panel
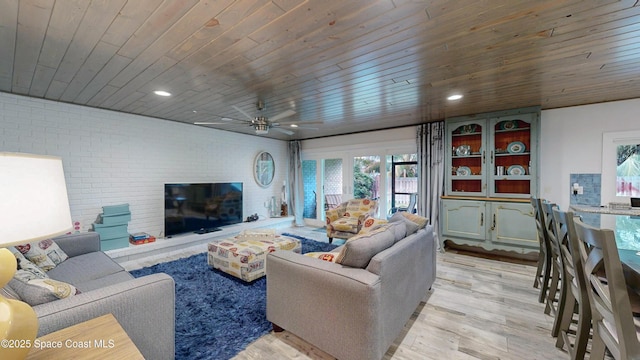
x=332 y=183
x=512 y=146
x=404 y=172
x=366 y=177
x=468 y=159
x=310 y=184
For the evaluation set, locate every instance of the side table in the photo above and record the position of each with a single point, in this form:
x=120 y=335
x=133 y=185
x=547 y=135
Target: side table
x=98 y=338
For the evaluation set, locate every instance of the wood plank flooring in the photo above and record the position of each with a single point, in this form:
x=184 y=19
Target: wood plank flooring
x=477 y=309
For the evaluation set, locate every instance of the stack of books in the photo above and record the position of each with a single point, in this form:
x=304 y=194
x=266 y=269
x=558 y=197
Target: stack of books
x=141 y=238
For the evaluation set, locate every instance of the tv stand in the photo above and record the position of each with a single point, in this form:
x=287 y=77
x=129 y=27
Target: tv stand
x=206 y=231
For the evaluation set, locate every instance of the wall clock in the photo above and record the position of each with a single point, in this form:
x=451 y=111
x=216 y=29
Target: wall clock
x=264 y=169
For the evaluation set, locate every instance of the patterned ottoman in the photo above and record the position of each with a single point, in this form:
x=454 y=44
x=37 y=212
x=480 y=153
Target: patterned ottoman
x=244 y=256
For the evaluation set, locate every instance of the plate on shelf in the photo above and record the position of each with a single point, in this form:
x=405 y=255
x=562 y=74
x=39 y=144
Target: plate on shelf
x=463 y=171
x=515 y=147
x=463 y=150
x=515 y=170
x=509 y=125
x=468 y=129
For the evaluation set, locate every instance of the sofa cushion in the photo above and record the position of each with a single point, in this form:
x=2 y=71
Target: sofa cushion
x=359 y=250
x=326 y=256
x=399 y=230
x=411 y=227
x=83 y=269
x=421 y=221
x=46 y=254
x=40 y=291
x=9 y=293
x=104 y=281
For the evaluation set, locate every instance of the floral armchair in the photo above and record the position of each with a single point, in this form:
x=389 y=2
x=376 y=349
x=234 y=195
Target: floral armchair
x=347 y=219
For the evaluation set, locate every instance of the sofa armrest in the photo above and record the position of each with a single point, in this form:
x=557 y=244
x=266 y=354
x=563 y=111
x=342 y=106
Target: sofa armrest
x=79 y=243
x=302 y=290
x=144 y=307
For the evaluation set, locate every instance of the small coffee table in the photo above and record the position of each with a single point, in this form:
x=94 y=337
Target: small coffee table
x=245 y=256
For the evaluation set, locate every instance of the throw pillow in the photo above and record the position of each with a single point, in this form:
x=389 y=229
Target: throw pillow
x=46 y=254
x=421 y=221
x=399 y=230
x=40 y=291
x=326 y=256
x=358 y=250
x=411 y=226
x=26 y=269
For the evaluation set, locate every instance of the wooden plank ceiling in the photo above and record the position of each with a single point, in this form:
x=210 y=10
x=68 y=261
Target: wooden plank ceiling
x=352 y=65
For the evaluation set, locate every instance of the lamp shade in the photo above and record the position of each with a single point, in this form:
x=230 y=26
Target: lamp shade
x=34 y=203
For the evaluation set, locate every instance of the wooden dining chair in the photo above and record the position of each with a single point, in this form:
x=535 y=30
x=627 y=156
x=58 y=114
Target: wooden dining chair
x=557 y=289
x=543 y=271
x=612 y=317
x=574 y=322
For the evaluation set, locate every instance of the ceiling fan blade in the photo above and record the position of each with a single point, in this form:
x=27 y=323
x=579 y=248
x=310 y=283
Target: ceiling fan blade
x=302 y=123
x=285 y=131
x=209 y=123
x=242 y=112
x=282 y=115
x=306 y=128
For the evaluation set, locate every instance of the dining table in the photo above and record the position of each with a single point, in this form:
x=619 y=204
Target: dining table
x=625 y=224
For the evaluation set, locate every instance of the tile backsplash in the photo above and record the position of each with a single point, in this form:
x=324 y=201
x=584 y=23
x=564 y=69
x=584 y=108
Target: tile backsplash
x=590 y=194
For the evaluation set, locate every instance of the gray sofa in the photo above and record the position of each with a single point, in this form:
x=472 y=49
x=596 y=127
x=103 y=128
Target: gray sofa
x=145 y=307
x=349 y=312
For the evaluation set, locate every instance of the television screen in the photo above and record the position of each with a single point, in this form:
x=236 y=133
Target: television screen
x=201 y=207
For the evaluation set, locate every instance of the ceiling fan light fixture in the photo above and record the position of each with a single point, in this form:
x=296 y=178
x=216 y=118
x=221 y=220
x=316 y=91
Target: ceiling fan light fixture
x=261 y=129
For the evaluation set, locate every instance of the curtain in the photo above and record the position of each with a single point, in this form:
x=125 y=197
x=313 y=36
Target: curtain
x=296 y=195
x=430 y=141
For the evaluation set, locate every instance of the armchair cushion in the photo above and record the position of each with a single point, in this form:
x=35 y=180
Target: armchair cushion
x=346 y=220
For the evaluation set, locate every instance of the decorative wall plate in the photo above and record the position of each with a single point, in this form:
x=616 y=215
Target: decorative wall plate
x=516 y=147
x=463 y=150
x=516 y=170
x=463 y=171
x=509 y=125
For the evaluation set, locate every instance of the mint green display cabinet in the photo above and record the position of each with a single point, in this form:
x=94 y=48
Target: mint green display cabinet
x=491 y=171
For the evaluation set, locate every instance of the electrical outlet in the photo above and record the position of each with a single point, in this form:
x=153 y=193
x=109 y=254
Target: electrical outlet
x=580 y=190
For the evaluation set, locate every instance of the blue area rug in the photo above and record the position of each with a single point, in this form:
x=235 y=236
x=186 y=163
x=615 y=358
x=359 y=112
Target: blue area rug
x=217 y=315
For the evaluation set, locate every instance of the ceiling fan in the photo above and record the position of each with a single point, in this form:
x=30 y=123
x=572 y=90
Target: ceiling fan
x=262 y=124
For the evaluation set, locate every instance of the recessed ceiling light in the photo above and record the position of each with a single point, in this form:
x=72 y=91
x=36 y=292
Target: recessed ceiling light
x=162 y=93
x=455 y=97
x=294 y=125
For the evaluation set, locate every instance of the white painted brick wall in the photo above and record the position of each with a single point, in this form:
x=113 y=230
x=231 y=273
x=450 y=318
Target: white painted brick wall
x=113 y=158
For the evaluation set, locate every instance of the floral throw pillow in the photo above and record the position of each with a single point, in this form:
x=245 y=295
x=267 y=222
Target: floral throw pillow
x=46 y=254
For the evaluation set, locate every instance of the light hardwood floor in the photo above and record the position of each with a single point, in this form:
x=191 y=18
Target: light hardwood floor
x=477 y=309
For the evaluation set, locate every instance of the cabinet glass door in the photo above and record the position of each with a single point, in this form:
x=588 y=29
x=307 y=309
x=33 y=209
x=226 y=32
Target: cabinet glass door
x=511 y=159
x=467 y=159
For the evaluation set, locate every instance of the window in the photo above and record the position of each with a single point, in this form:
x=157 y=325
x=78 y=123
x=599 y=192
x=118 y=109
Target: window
x=403 y=173
x=620 y=166
x=628 y=170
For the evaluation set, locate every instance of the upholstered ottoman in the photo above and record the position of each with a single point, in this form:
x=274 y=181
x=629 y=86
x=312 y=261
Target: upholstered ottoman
x=244 y=256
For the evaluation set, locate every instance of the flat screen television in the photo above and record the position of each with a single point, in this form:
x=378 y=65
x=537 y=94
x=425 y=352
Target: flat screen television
x=201 y=207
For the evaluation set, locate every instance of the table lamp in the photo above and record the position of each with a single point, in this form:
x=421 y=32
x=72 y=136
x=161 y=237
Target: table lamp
x=34 y=207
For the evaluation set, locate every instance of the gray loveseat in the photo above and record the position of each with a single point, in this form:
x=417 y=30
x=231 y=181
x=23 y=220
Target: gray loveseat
x=145 y=307
x=349 y=312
